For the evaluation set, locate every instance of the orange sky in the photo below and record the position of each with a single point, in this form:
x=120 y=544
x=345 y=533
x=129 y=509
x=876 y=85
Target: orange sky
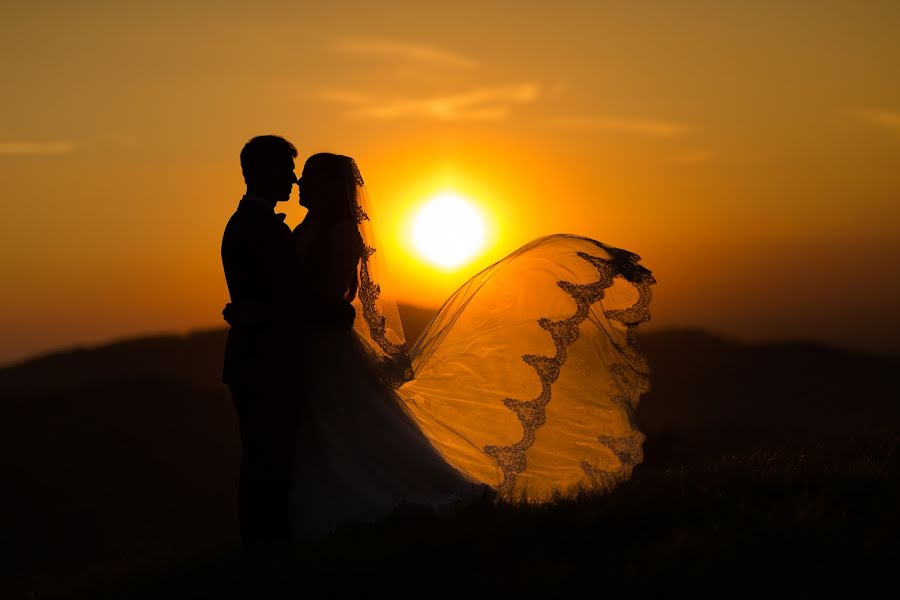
x=750 y=152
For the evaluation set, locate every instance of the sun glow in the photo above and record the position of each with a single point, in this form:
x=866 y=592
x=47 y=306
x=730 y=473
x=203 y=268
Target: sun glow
x=448 y=230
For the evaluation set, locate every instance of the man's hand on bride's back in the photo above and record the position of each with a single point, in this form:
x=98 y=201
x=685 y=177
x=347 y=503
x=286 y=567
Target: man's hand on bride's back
x=340 y=313
x=334 y=313
x=349 y=315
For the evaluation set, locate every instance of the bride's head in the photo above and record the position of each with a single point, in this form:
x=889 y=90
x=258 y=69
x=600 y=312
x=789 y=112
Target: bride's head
x=328 y=186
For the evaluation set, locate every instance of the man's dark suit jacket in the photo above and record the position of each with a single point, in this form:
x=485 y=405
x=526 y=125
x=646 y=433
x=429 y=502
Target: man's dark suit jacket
x=260 y=266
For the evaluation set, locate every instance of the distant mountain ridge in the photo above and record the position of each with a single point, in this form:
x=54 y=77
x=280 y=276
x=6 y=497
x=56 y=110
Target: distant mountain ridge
x=137 y=440
x=698 y=379
x=194 y=358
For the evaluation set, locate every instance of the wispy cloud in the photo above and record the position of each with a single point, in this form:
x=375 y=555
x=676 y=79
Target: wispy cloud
x=651 y=127
x=881 y=118
x=478 y=104
x=419 y=53
x=36 y=148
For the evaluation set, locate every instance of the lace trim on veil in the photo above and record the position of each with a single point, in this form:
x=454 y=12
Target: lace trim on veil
x=395 y=367
x=532 y=413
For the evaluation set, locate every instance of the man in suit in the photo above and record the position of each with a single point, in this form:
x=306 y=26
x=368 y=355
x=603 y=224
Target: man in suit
x=260 y=369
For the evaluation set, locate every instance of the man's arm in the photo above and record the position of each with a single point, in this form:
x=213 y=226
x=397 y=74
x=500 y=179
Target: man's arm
x=298 y=305
x=319 y=311
x=337 y=313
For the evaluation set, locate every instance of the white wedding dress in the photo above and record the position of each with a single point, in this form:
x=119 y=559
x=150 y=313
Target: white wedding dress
x=525 y=382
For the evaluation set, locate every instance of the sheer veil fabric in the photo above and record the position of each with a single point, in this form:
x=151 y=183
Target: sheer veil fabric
x=528 y=377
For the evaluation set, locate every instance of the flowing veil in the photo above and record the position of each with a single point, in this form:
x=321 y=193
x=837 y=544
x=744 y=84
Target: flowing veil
x=378 y=318
x=528 y=377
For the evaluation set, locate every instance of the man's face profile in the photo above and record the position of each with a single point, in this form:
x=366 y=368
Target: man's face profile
x=279 y=180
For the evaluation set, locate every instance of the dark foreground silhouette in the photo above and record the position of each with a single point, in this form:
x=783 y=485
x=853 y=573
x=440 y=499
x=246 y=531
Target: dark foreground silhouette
x=762 y=462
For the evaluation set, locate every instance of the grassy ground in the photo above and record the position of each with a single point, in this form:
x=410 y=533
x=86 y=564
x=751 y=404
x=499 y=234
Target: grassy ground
x=797 y=516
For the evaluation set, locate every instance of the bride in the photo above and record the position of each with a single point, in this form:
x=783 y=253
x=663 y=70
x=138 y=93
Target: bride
x=524 y=384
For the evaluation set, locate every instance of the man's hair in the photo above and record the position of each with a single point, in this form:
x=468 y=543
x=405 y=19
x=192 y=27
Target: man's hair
x=262 y=151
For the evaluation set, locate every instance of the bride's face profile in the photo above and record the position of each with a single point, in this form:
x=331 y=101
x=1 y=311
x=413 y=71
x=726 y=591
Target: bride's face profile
x=320 y=186
x=312 y=187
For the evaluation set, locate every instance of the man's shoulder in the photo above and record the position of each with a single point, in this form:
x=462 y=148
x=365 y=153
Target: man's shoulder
x=255 y=229
x=248 y=220
x=245 y=214
x=237 y=225
x=243 y=230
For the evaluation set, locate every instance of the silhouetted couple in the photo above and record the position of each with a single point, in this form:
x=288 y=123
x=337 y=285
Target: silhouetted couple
x=340 y=422
x=302 y=382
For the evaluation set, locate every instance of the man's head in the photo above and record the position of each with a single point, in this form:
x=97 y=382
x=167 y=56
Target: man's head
x=268 y=165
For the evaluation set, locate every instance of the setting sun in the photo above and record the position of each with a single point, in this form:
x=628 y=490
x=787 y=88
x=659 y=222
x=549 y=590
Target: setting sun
x=448 y=230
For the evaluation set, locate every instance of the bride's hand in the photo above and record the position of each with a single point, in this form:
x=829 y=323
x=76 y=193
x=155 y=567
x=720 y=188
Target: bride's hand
x=231 y=314
x=247 y=313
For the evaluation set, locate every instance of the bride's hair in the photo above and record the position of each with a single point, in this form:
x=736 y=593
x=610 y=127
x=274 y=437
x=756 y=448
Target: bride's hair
x=340 y=180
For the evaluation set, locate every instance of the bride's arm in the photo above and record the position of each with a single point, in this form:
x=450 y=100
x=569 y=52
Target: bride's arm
x=345 y=249
x=326 y=301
